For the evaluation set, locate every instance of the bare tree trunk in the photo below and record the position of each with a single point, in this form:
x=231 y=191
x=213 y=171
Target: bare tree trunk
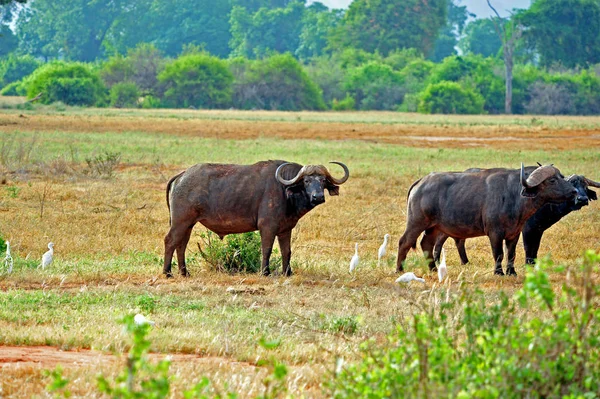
x=508 y=64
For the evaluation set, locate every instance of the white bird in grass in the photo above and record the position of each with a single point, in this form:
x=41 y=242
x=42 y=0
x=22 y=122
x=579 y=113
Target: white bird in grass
x=382 y=248
x=408 y=277
x=8 y=260
x=139 y=320
x=442 y=269
x=48 y=256
x=354 y=260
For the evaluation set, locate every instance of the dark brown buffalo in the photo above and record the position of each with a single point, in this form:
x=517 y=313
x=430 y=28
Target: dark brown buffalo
x=269 y=196
x=495 y=204
x=541 y=221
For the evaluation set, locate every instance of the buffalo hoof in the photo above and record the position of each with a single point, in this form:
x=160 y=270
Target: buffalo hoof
x=168 y=275
x=266 y=272
x=498 y=272
x=511 y=272
x=288 y=273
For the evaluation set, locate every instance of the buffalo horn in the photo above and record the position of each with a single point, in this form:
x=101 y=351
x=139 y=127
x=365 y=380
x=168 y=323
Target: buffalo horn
x=523 y=180
x=287 y=182
x=591 y=182
x=539 y=175
x=343 y=179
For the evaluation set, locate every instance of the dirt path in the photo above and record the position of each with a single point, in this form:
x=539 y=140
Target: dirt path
x=48 y=357
x=413 y=135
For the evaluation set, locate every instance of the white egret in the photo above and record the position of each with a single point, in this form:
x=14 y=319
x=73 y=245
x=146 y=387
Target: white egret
x=48 y=256
x=8 y=260
x=354 y=260
x=139 y=320
x=382 y=248
x=408 y=277
x=442 y=269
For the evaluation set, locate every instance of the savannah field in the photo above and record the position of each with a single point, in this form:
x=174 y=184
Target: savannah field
x=108 y=233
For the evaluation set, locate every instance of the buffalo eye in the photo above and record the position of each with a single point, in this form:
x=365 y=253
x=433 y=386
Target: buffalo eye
x=553 y=180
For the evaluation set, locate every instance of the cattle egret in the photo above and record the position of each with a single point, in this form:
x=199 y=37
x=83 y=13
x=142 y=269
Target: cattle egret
x=140 y=320
x=382 y=248
x=408 y=277
x=442 y=269
x=48 y=256
x=354 y=260
x=8 y=260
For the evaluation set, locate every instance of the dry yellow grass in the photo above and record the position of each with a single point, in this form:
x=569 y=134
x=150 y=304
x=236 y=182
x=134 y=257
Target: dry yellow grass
x=108 y=237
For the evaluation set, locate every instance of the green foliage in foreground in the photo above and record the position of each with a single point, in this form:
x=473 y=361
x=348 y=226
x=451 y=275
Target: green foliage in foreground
x=538 y=344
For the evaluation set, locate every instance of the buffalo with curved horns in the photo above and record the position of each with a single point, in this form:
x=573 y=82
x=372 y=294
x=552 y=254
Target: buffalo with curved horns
x=542 y=220
x=495 y=204
x=268 y=196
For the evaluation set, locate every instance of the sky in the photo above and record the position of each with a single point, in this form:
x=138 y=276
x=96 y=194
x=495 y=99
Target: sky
x=477 y=7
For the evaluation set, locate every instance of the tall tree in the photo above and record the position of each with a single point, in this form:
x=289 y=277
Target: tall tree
x=387 y=25
x=480 y=37
x=73 y=29
x=509 y=33
x=317 y=26
x=566 y=32
x=446 y=43
x=267 y=30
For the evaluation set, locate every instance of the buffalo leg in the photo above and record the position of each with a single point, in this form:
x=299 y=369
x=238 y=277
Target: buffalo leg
x=531 y=242
x=498 y=252
x=439 y=244
x=286 y=251
x=267 y=239
x=462 y=252
x=181 y=251
x=406 y=242
x=511 y=249
x=427 y=244
x=173 y=240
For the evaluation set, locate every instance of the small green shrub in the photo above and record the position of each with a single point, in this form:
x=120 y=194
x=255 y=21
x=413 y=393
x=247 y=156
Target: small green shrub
x=197 y=80
x=14 y=68
x=124 y=95
x=73 y=83
x=2 y=246
x=347 y=104
x=345 y=324
x=450 y=98
x=237 y=253
x=104 y=164
x=14 y=89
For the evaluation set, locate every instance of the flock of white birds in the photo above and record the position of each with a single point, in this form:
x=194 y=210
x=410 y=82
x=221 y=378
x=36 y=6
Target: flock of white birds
x=406 y=277
x=8 y=262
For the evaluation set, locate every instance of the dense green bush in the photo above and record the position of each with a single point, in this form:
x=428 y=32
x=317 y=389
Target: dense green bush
x=328 y=75
x=124 y=95
x=72 y=83
x=237 y=253
x=14 y=68
x=375 y=86
x=197 y=80
x=450 y=98
x=347 y=104
x=541 y=343
x=142 y=65
x=14 y=89
x=275 y=83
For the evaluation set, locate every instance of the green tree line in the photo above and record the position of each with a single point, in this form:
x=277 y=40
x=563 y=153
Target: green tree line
x=377 y=54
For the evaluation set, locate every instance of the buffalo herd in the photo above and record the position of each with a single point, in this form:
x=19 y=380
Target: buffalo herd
x=272 y=196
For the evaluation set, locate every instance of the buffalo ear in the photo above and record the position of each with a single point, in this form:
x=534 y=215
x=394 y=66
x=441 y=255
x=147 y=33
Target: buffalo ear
x=332 y=188
x=591 y=194
x=295 y=189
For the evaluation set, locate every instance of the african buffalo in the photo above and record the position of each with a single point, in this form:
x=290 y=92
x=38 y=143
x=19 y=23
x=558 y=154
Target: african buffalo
x=495 y=204
x=269 y=196
x=541 y=221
